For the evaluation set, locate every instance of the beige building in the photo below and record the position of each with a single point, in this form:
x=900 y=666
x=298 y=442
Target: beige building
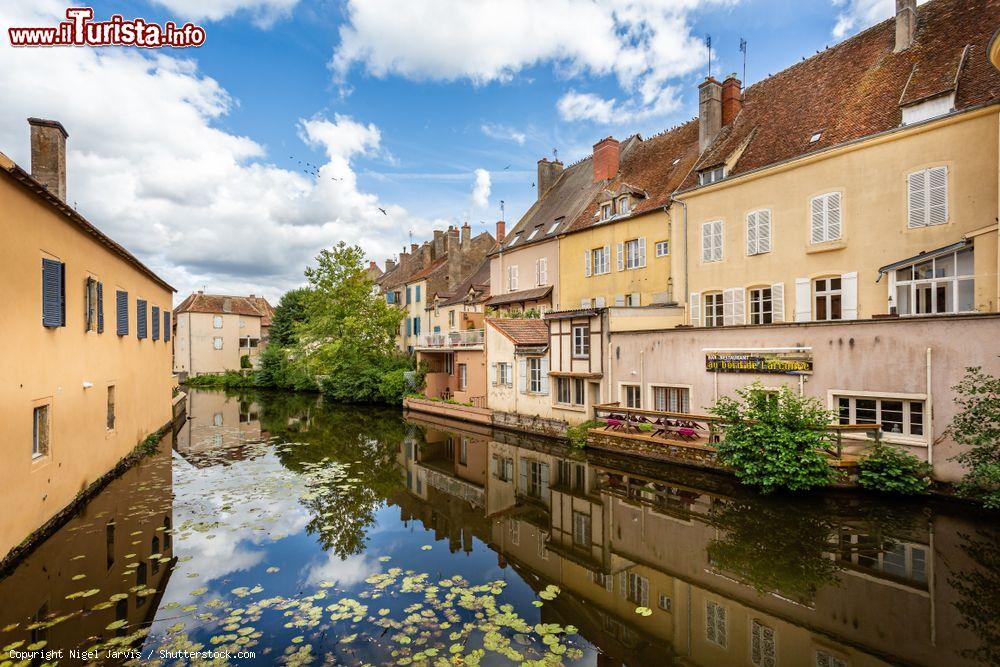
x=218 y=333
x=86 y=343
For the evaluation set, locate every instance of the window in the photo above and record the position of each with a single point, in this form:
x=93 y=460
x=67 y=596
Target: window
x=927 y=196
x=815 y=137
x=503 y=468
x=555 y=224
x=121 y=312
x=217 y=343
x=463 y=451
x=563 y=390
x=716 y=626
x=606 y=581
x=897 y=416
x=217 y=322
x=635 y=253
x=534 y=232
x=109 y=543
x=711 y=176
x=41 y=428
x=503 y=373
x=535 y=374
x=665 y=603
x=53 y=293
x=581 y=341
x=828 y=298
x=463 y=378
x=759 y=232
x=517 y=237
x=637 y=589
x=623 y=206
x=579 y=392
x=600 y=260
x=90 y=300
x=511 y=278
x=942 y=284
x=581 y=529
x=825 y=218
x=633 y=300
x=542 y=272
x=633 y=395
x=711 y=241
x=417 y=294
x=761 y=306
x=416 y=326
x=824 y=659
x=451 y=319
x=672 y=399
x=662 y=248
x=607 y=211
x=111 y=408
x=714 y=311
x=534 y=478
x=763 y=652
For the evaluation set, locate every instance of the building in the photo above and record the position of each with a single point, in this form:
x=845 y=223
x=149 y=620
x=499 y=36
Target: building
x=215 y=333
x=517 y=351
x=87 y=343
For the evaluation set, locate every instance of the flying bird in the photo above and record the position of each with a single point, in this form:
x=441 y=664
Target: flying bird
x=383 y=210
x=506 y=168
x=532 y=185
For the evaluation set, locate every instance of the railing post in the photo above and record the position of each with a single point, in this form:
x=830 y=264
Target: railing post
x=840 y=436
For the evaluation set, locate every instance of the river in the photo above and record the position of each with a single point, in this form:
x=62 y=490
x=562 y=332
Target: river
x=279 y=529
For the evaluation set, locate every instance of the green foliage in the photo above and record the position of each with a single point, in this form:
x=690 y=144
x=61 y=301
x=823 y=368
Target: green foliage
x=245 y=361
x=227 y=380
x=277 y=372
x=887 y=469
x=515 y=314
x=977 y=427
x=289 y=312
x=395 y=386
x=578 y=434
x=775 y=441
x=980 y=612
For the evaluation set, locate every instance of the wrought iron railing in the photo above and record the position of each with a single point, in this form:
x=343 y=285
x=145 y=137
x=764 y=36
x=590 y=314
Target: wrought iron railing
x=463 y=338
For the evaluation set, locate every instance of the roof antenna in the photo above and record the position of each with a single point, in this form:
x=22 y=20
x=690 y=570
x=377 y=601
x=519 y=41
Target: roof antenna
x=555 y=154
x=708 y=44
x=501 y=210
x=743 y=50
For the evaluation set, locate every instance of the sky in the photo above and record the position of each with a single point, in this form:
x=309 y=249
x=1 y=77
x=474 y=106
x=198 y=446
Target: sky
x=301 y=123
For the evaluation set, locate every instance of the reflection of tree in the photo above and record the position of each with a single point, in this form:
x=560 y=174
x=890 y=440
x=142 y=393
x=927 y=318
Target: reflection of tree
x=364 y=440
x=979 y=607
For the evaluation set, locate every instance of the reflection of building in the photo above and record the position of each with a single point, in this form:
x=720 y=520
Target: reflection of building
x=219 y=427
x=86 y=352
x=693 y=548
x=214 y=333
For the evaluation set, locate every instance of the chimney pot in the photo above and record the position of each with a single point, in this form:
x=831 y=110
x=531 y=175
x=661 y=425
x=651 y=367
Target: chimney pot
x=548 y=174
x=732 y=99
x=48 y=155
x=501 y=230
x=709 y=112
x=606 y=156
x=413 y=248
x=906 y=24
x=466 y=237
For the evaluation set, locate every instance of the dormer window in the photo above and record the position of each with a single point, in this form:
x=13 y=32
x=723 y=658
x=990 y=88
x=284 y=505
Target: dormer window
x=623 y=206
x=607 y=211
x=710 y=176
x=676 y=162
x=929 y=108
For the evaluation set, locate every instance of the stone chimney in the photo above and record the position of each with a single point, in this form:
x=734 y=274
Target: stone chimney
x=372 y=266
x=426 y=254
x=389 y=265
x=732 y=99
x=906 y=24
x=439 y=248
x=48 y=155
x=606 y=156
x=454 y=271
x=413 y=248
x=466 y=237
x=548 y=172
x=501 y=230
x=709 y=112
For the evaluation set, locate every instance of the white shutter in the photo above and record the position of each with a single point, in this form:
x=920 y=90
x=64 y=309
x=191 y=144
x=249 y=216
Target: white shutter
x=917 y=198
x=623 y=584
x=833 y=226
x=717 y=233
x=634 y=298
x=739 y=307
x=621 y=256
x=585 y=303
x=600 y=302
x=764 y=231
x=493 y=466
x=545 y=376
x=493 y=373
x=752 y=233
x=937 y=196
x=803 y=300
x=514 y=279
x=586 y=263
x=727 y=307
x=694 y=307
x=522 y=376
x=778 y=302
x=849 y=296
x=706 y=242
x=818 y=231
x=620 y=300
x=538 y=272
x=642 y=251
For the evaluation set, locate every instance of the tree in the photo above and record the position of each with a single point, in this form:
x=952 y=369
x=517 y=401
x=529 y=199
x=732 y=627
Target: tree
x=977 y=426
x=290 y=311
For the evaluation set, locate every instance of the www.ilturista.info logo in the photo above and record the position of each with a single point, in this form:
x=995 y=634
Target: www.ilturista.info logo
x=82 y=30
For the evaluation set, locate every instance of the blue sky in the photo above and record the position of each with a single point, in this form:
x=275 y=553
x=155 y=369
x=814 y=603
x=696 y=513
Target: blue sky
x=190 y=157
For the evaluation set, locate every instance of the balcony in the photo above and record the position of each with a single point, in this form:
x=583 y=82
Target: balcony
x=469 y=339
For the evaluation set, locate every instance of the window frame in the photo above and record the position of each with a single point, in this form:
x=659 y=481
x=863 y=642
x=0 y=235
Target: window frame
x=463 y=377
x=954 y=282
x=629 y=390
x=217 y=322
x=582 y=528
x=710 y=176
x=712 y=315
x=604 y=266
x=662 y=248
x=828 y=296
x=762 y=316
x=217 y=343
x=534 y=379
x=906 y=436
x=581 y=341
x=681 y=397
x=41 y=449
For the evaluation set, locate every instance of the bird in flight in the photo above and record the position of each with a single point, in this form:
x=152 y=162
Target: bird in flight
x=383 y=210
x=506 y=168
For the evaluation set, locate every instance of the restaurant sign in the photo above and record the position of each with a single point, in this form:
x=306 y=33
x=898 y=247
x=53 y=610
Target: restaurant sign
x=792 y=362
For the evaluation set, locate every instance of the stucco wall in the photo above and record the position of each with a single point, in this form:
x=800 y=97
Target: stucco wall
x=525 y=258
x=51 y=365
x=195 y=351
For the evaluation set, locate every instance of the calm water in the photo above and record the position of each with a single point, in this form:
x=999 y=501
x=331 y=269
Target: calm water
x=311 y=534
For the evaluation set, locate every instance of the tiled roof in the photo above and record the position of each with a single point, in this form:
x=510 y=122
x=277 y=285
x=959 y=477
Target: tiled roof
x=480 y=279
x=517 y=297
x=855 y=89
x=266 y=309
x=522 y=331
x=221 y=304
x=428 y=270
x=651 y=170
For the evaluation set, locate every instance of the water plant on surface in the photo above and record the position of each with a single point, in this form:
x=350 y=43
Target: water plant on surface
x=888 y=469
x=977 y=427
x=774 y=440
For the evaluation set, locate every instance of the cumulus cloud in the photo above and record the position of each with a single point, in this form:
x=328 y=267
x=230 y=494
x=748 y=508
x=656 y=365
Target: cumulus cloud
x=149 y=165
x=642 y=43
x=264 y=13
x=504 y=133
x=481 y=189
x=855 y=15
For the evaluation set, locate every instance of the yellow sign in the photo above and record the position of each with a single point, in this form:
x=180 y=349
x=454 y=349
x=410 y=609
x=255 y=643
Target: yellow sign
x=782 y=363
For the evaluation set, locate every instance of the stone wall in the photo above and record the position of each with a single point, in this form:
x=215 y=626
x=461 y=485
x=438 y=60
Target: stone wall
x=451 y=410
x=647 y=447
x=553 y=428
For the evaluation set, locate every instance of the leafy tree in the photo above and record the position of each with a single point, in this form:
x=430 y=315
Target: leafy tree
x=977 y=426
x=890 y=470
x=775 y=441
x=290 y=311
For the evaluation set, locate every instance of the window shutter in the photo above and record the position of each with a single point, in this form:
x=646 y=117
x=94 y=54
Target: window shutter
x=739 y=307
x=620 y=300
x=524 y=474
x=493 y=373
x=586 y=263
x=522 y=379
x=727 y=307
x=635 y=297
x=100 y=307
x=849 y=298
x=917 y=198
x=621 y=256
x=623 y=584
x=140 y=319
x=513 y=278
x=937 y=196
x=166 y=326
x=818 y=234
x=833 y=226
x=409 y=327
x=717 y=240
x=545 y=376
x=803 y=300
x=764 y=231
x=778 y=302
x=642 y=251
x=121 y=314
x=752 y=233
x=53 y=293
x=156 y=322
x=585 y=302
x=706 y=242
x=694 y=307
x=600 y=302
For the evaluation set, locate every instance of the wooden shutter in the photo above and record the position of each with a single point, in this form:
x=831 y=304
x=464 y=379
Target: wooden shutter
x=727 y=307
x=739 y=306
x=917 y=198
x=818 y=232
x=834 y=227
x=545 y=376
x=717 y=240
x=53 y=293
x=778 y=302
x=621 y=256
x=600 y=302
x=752 y=233
x=694 y=307
x=100 y=307
x=620 y=300
x=642 y=252
x=937 y=196
x=586 y=263
x=166 y=326
x=522 y=376
x=121 y=312
x=706 y=242
x=156 y=322
x=140 y=319
x=849 y=296
x=803 y=300
x=764 y=231
x=493 y=373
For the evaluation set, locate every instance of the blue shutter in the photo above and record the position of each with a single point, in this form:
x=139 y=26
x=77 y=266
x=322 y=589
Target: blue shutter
x=121 y=312
x=166 y=326
x=409 y=327
x=53 y=293
x=140 y=319
x=100 y=307
x=409 y=294
x=156 y=323
x=418 y=293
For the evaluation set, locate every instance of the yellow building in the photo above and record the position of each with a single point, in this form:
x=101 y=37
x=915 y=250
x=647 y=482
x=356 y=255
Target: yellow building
x=215 y=333
x=86 y=365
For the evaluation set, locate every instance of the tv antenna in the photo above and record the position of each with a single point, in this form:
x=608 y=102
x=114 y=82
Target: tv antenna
x=743 y=50
x=501 y=210
x=708 y=45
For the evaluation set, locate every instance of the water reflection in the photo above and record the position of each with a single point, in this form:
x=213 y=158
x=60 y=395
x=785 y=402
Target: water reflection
x=308 y=534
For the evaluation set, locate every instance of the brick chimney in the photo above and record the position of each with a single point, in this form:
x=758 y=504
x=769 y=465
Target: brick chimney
x=606 y=155
x=501 y=230
x=48 y=155
x=466 y=237
x=906 y=24
x=732 y=99
x=413 y=248
x=548 y=173
x=372 y=266
x=709 y=112
x=426 y=254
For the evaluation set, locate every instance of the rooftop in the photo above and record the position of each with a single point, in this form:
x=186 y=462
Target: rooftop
x=522 y=331
x=222 y=304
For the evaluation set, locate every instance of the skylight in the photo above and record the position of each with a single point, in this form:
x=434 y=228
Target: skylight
x=815 y=137
x=555 y=225
x=534 y=232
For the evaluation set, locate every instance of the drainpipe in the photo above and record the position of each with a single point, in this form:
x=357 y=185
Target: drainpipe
x=930 y=412
x=686 y=292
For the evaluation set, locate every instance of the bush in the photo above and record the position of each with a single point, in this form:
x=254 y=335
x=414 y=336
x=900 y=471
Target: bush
x=395 y=386
x=977 y=426
x=245 y=361
x=775 y=441
x=887 y=469
x=227 y=380
x=578 y=434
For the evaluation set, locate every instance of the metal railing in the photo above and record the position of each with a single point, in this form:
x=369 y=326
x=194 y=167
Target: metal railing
x=464 y=338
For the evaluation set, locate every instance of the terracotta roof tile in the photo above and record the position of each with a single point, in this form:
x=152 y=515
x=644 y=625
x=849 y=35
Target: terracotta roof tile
x=516 y=297
x=223 y=304
x=522 y=331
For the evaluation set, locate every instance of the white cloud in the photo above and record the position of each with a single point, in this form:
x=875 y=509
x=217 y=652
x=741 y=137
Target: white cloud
x=859 y=14
x=585 y=106
x=503 y=132
x=263 y=13
x=344 y=572
x=481 y=189
x=149 y=165
x=642 y=43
